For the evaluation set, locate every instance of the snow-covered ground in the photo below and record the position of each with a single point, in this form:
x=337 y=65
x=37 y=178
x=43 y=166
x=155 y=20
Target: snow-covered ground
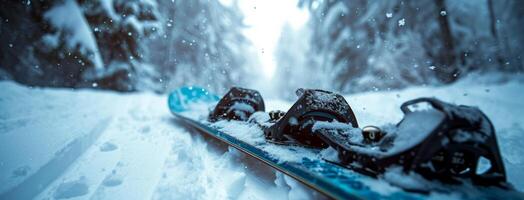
x=86 y=144
x=59 y=143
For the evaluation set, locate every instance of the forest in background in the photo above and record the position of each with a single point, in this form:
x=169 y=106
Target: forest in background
x=123 y=45
x=361 y=45
x=347 y=46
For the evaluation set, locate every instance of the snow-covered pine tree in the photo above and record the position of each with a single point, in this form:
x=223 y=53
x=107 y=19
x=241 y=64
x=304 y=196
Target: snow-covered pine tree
x=364 y=45
x=49 y=43
x=69 y=43
x=202 y=45
x=121 y=28
x=488 y=34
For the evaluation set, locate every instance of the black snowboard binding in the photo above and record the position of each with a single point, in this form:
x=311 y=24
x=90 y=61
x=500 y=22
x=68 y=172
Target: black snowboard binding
x=445 y=142
x=292 y=127
x=237 y=104
x=295 y=126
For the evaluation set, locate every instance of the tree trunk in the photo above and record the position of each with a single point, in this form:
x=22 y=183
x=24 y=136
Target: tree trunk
x=447 y=72
x=494 y=34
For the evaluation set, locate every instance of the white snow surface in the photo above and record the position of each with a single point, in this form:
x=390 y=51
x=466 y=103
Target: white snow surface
x=86 y=144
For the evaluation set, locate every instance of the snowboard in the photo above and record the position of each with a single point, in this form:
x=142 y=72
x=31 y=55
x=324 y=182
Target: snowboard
x=190 y=106
x=325 y=177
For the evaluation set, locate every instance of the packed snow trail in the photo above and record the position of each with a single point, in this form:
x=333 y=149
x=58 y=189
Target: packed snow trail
x=59 y=143
x=86 y=144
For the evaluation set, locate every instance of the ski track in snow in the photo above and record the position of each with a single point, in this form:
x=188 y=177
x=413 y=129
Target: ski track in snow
x=85 y=144
x=63 y=144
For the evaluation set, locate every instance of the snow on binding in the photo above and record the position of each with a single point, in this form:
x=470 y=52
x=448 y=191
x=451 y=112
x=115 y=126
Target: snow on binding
x=437 y=146
x=443 y=141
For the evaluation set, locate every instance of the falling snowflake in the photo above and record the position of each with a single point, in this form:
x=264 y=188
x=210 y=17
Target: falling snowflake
x=432 y=67
x=402 y=22
x=443 y=13
x=95 y=85
x=389 y=15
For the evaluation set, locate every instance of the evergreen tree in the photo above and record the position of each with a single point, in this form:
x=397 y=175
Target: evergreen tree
x=68 y=43
x=202 y=45
x=122 y=28
x=361 y=45
x=40 y=51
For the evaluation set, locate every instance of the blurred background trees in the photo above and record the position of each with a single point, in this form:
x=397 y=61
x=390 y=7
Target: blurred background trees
x=348 y=46
x=123 y=45
x=361 y=45
x=202 y=44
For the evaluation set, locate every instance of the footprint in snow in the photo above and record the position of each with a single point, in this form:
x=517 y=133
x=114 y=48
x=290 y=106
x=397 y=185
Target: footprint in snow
x=145 y=129
x=112 y=180
x=21 y=171
x=108 y=146
x=72 y=189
